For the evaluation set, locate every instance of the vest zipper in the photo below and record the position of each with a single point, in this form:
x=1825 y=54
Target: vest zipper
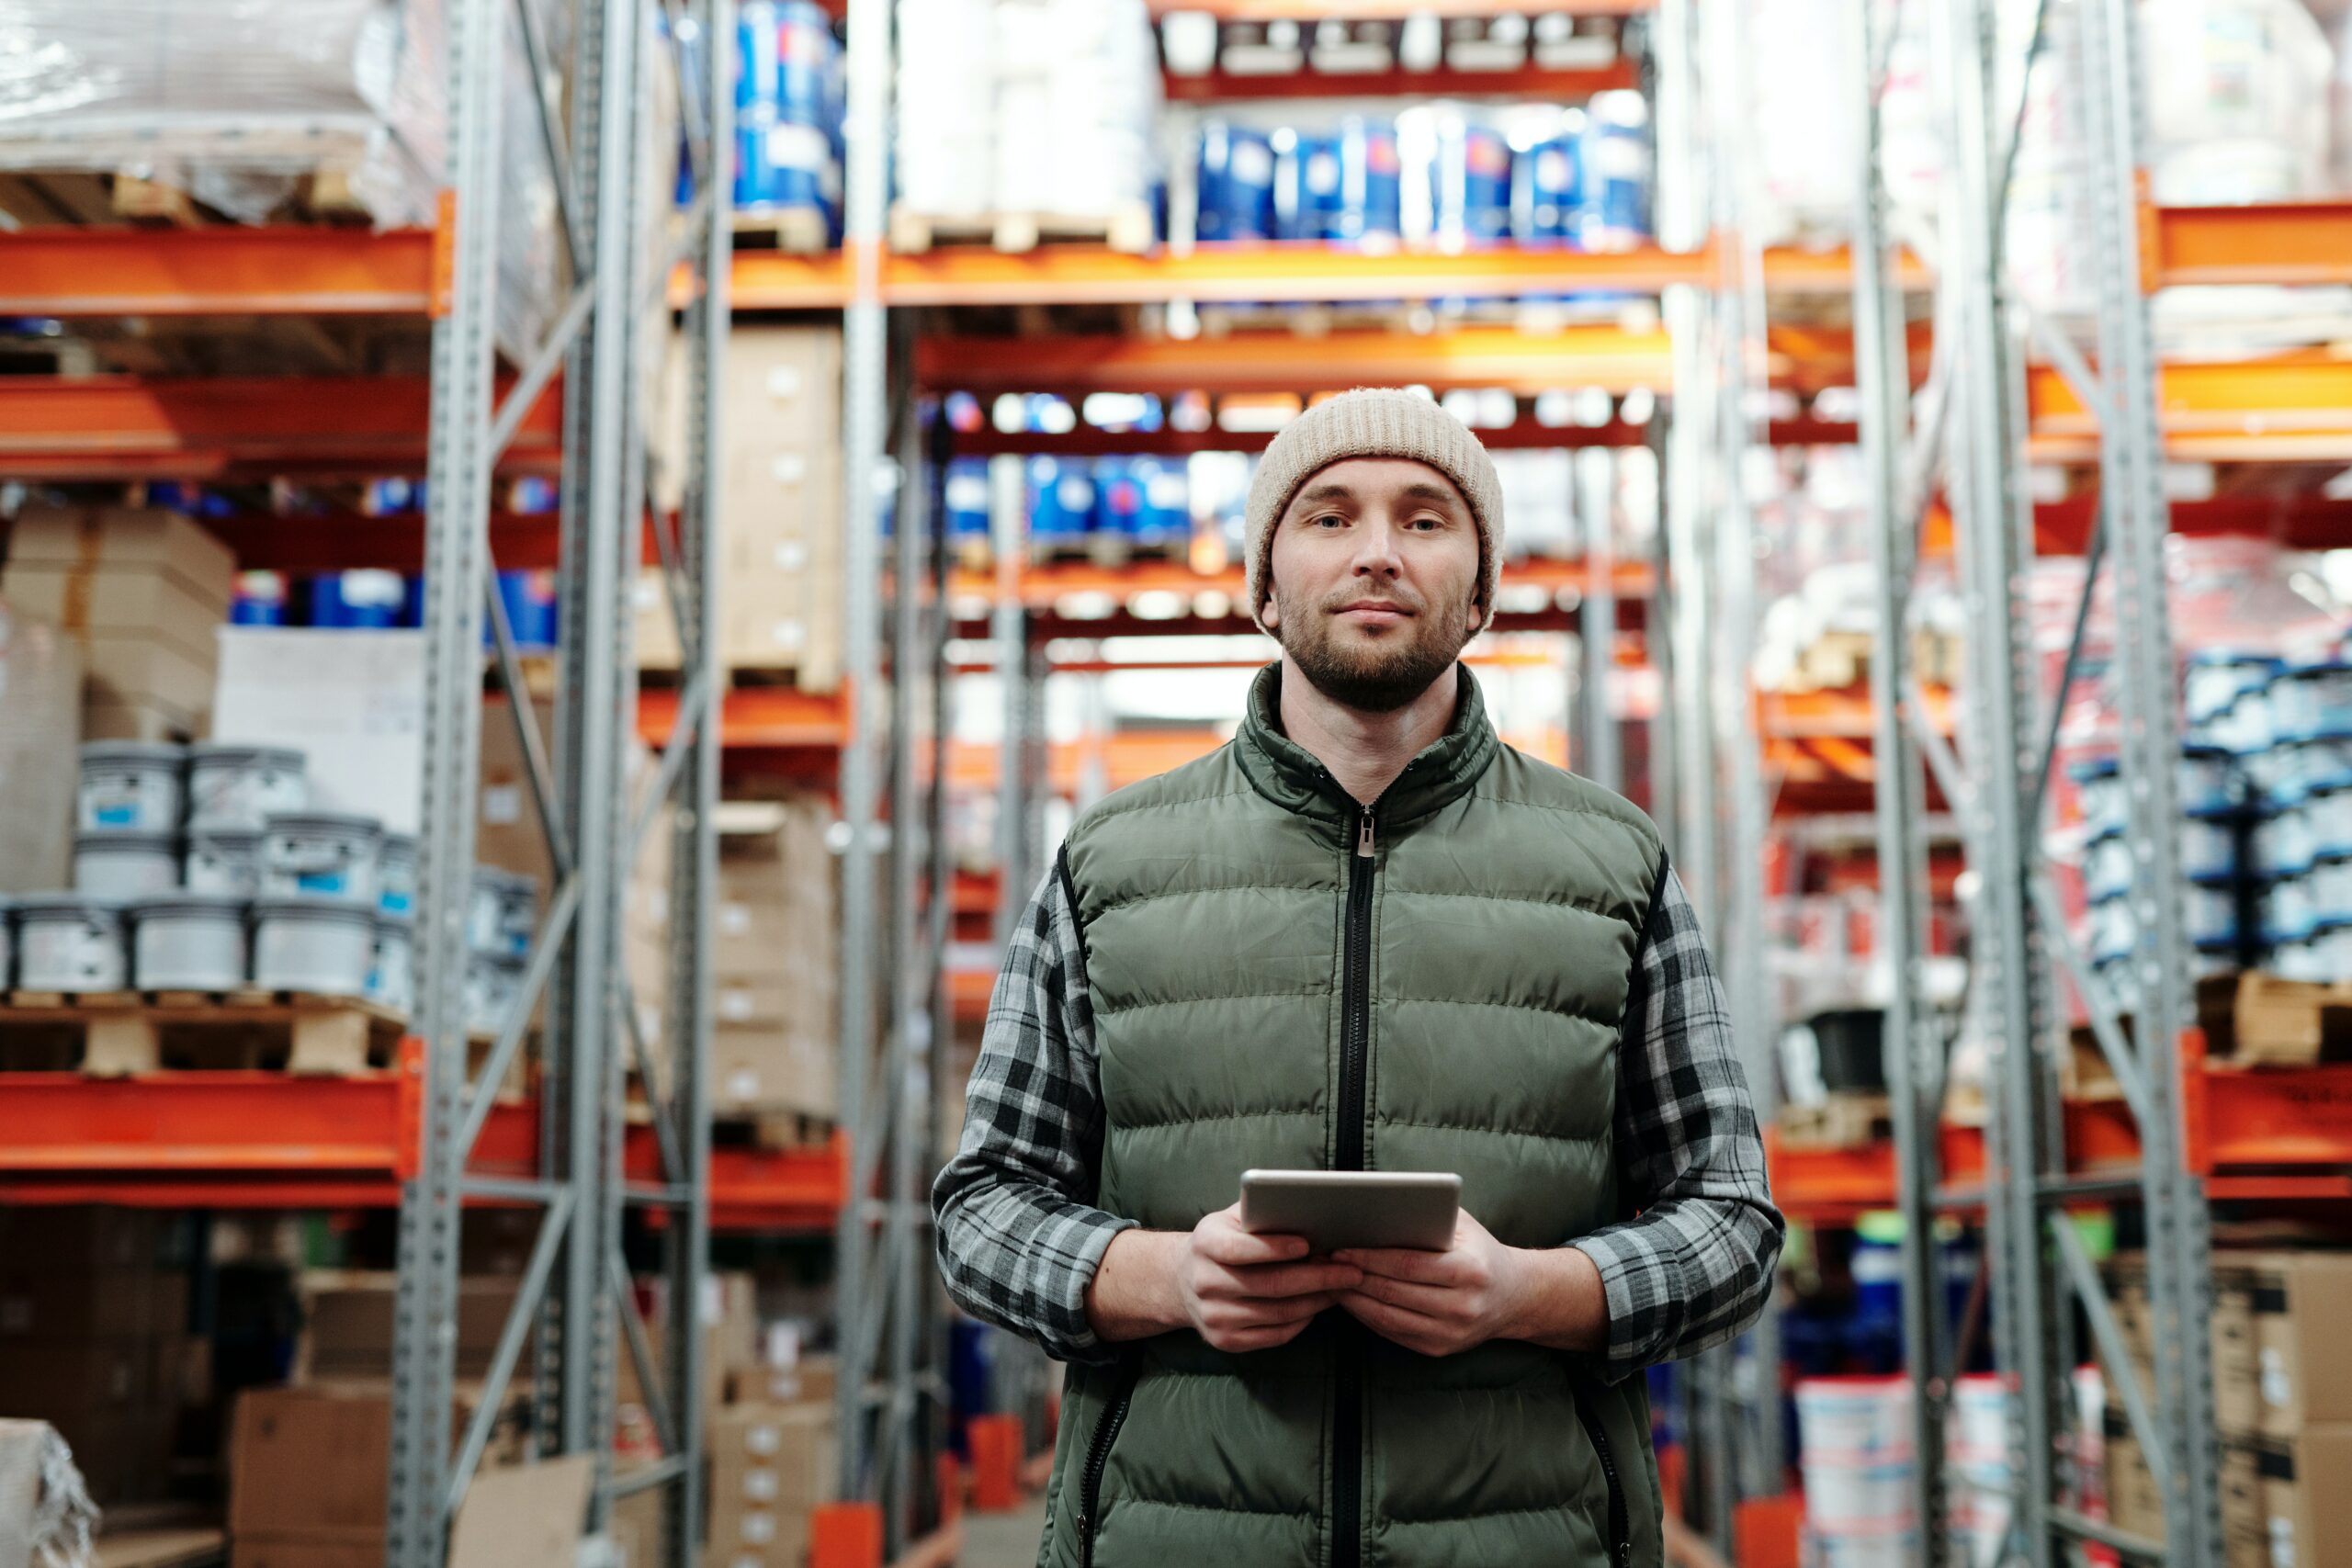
x=1355 y=1044
x=1098 y=1456
x=1621 y=1530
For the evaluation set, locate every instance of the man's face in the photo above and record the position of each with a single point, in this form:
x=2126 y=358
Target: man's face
x=1374 y=574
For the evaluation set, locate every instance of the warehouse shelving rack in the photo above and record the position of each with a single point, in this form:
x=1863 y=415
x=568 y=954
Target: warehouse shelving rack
x=2182 y=1133
x=423 y=1136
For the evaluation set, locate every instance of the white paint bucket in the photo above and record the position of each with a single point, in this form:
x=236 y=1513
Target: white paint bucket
x=239 y=788
x=124 y=866
x=504 y=912
x=392 y=968
x=307 y=942
x=189 y=942
x=1845 y=1496
x=225 y=861
x=492 y=981
x=1854 y=1418
x=326 y=854
x=67 y=942
x=396 y=875
x=131 y=786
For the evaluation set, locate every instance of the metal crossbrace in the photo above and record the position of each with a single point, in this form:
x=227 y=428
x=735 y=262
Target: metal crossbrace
x=558 y=156
x=2106 y=1028
x=2082 y=1275
x=640 y=1354
x=1883 y=383
x=554 y=1229
x=2095 y=557
x=2131 y=457
x=524 y=395
x=676 y=747
x=524 y=710
x=1950 y=776
x=659 y=1107
x=537 y=971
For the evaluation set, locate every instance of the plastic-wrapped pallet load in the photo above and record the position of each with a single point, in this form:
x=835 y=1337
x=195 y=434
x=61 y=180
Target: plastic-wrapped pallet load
x=1058 y=122
x=1854 y=1444
x=2237 y=100
x=237 y=102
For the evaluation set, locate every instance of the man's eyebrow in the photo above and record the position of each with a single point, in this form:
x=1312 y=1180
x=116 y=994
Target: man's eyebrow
x=1421 y=489
x=1326 y=491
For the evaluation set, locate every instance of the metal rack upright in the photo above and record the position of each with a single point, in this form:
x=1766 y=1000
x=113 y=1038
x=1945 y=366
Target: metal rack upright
x=575 y=1303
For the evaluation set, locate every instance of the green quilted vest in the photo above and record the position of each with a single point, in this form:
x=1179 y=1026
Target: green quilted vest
x=1283 y=978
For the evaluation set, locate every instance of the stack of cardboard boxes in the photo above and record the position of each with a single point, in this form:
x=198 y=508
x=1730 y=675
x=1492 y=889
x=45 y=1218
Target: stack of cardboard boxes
x=2282 y=1398
x=780 y=513
x=93 y=1306
x=768 y=1429
x=773 y=957
x=145 y=593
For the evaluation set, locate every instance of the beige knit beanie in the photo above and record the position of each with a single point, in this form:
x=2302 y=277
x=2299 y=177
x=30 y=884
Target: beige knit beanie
x=1373 y=421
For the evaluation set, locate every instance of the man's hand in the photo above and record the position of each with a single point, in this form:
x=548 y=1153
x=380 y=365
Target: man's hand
x=1441 y=1303
x=1240 y=1291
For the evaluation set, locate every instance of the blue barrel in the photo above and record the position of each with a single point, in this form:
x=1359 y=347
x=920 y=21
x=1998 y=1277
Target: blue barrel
x=1118 y=497
x=1166 y=514
x=967 y=492
x=260 y=601
x=1061 y=500
x=1546 y=190
x=1613 y=198
x=782 y=162
x=1470 y=181
x=1237 y=183
x=783 y=58
x=365 y=600
x=1307 y=185
x=529 y=598
x=1371 y=184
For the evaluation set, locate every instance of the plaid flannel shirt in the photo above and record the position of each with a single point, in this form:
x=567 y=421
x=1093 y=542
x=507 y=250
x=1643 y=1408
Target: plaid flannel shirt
x=1019 y=1236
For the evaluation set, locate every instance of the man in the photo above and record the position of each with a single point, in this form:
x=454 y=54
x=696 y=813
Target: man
x=1363 y=935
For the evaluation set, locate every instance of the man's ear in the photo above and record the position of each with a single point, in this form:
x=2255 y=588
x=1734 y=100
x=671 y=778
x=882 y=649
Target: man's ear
x=1270 y=617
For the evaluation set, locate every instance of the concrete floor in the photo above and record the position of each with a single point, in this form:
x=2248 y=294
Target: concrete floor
x=1003 y=1541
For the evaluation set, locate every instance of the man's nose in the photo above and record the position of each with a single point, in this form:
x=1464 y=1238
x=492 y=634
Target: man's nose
x=1376 y=550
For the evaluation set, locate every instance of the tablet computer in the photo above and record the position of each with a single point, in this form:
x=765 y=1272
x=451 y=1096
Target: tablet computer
x=1333 y=1209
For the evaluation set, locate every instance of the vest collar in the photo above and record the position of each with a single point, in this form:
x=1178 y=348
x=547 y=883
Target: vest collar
x=1289 y=776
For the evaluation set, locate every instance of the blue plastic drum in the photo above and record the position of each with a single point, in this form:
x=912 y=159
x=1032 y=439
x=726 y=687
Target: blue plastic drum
x=967 y=495
x=1118 y=497
x=1614 y=186
x=1166 y=514
x=1546 y=186
x=785 y=53
x=1470 y=181
x=1237 y=179
x=1061 y=500
x=1370 y=203
x=1306 y=185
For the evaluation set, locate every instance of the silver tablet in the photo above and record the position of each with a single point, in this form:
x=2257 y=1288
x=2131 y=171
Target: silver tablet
x=1353 y=1208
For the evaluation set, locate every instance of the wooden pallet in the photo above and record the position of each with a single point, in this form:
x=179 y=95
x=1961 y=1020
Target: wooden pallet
x=801 y=231
x=912 y=234
x=85 y=198
x=113 y=1035
x=2276 y=1023
x=1841 y=1121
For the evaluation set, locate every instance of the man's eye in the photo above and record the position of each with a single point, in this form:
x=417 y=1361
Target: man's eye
x=1330 y=518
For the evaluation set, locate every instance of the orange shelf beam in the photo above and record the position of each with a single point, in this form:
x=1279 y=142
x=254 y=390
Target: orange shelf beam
x=769 y=1190
x=2273 y=242
x=1531 y=82
x=227 y=271
x=2289 y=408
x=114 y=427
x=756 y=718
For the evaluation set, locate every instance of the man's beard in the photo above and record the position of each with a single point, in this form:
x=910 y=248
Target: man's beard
x=1378 y=677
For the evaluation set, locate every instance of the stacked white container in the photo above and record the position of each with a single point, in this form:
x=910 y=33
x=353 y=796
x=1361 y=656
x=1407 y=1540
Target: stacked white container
x=1854 y=1437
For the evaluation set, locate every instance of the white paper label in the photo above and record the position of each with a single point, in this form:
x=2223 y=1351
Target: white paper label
x=742 y=1084
x=783 y=381
x=2278 y=1392
x=501 y=804
x=792 y=555
x=784 y=1344
x=763 y=1441
x=735 y=1007
x=2283 y=1543
x=759 y=1528
x=788 y=467
x=714 y=1302
x=735 y=919
x=760 y=1485
x=788 y=634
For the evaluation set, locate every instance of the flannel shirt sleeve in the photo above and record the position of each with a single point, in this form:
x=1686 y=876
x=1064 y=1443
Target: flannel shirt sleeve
x=1694 y=1265
x=1017 y=1232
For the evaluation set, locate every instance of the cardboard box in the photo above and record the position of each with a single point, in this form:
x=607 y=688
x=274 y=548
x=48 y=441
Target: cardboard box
x=70 y=1381
x=2305 y=1483
x=2304 y=1356
x=507 y=831
x=2237 y=1382
x=783 y=388
x=770 y=1467
x=2245 y=1527
x=347 y=1327
x=310 y=1463
x=352 y=701
x=142 y=590
x=40 y=737
x=525 y=1517
x=2134 y=1504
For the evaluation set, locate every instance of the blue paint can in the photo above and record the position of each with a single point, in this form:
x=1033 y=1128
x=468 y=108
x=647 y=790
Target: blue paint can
x=1166 y=514
x=1470 y=183
x=781 y=163
x=1236 y=181
x=1307 y=185
x=1546 y=190
x=966 y=493
x=1613 y=196
x=1118 y=497
x=1370 y=182
x=1061 y=500
x=783 y=58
